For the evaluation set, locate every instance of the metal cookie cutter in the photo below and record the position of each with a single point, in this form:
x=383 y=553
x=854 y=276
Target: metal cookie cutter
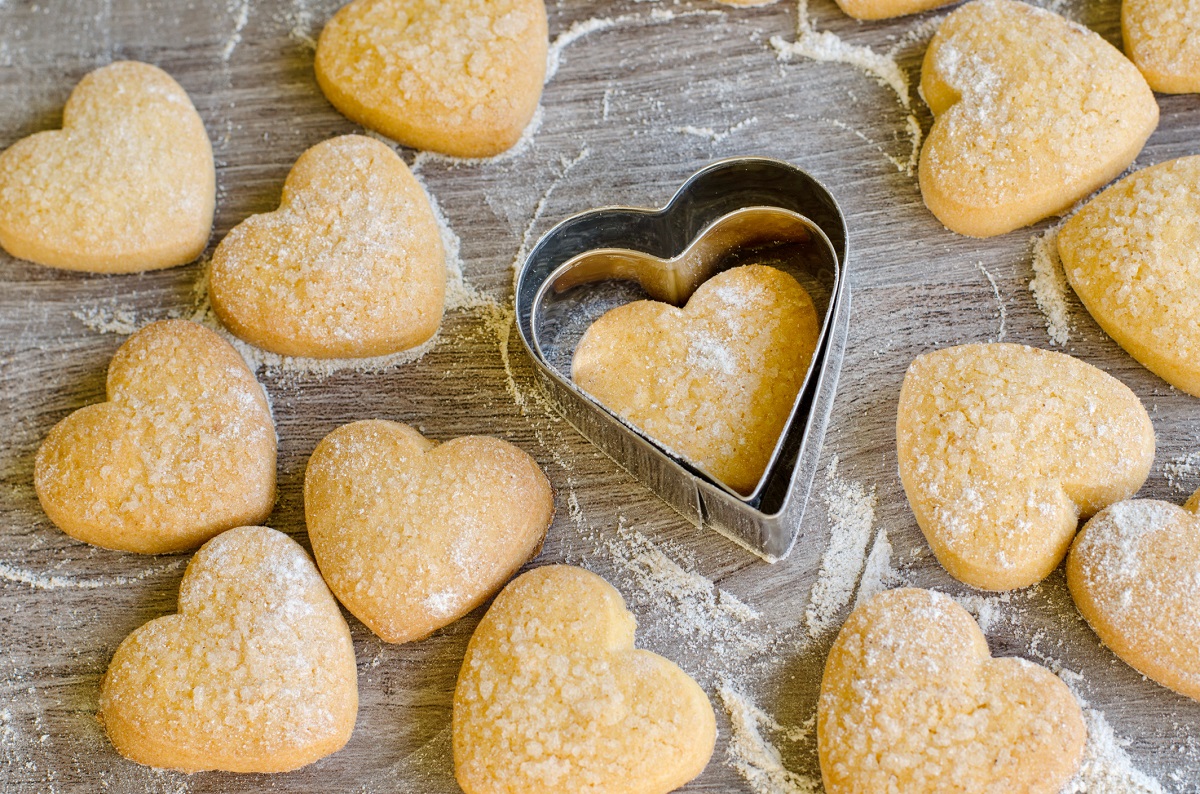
x=736 y=211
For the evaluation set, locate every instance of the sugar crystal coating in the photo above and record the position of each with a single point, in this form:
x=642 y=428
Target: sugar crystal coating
x=256 y=672
x=412 y=535
x=1032 y=113
x=1132 y=254
x=553 y=697
x=1163 y=38
x=461 y=77
x=350 y=265
x=713 y=382
x=1134 y=572
x=183 y=449
x=127 y=184
x=1003 y=448
x=912 y=702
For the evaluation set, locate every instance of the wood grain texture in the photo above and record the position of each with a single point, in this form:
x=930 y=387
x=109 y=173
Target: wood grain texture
x=624 y=123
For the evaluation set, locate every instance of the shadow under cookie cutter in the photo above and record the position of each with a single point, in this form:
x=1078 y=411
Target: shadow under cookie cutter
x=735 y=211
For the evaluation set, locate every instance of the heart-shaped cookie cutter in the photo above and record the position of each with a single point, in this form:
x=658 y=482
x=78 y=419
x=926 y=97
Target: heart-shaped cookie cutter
x=732 y=212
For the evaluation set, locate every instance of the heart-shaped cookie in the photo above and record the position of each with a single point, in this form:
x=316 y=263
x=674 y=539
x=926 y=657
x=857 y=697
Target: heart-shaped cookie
x=1134 y=572
x=553 y=697
x=885 y=9
x=255 y=674
x=1163 y=39
x=713 y=382
x=463 y=78
x=350 y=265
x=127 y=184
x=1133 y=257
x=1003 y=448
x=412 y=535
x=912 y=701
x=183 y=449
x=1033 y=113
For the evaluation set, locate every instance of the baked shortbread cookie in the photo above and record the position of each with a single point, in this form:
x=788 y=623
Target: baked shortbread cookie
x=713 y=382
x=127 y=184
x=1003 y=448
x=350 y=265
x=1032 y=113
x=553 y=697
x=460 y=77
x=912 y=701
x=1133 y=572
x=1132 y=255
x=1163 y=38
x=412 y=535
x=183 y=449
x=255 y=674
x=884 y=9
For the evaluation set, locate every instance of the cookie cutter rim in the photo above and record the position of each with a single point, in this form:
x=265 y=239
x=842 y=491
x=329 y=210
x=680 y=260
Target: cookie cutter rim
x=771 y=528
x=823 y=246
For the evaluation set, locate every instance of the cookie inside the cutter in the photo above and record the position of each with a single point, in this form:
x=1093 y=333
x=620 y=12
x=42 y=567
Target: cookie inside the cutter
x=714 y=382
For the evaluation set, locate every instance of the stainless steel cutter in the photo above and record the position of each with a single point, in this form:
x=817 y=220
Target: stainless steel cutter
x=732 y=212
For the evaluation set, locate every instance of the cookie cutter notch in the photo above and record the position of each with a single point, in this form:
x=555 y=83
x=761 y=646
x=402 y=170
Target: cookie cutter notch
x=732 y=212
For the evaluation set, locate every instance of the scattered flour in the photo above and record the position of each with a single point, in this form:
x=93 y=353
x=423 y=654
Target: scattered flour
x=754 y=755
x=903 y=166
x=723 y=630
x=1180 y=469
x=878 y=574
x=829 y=47
x=109 y=320
x=851 y=511
x=1106 y=767
x=42 y=581
x=714 y=135
x=302 y=24
x=989 y=611
x=1049 y=286
x=586 y=27
x=566 y=167
x=240 y=9
x=1001 y=310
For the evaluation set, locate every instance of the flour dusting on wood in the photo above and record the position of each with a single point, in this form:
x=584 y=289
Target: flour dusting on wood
x=851 y=510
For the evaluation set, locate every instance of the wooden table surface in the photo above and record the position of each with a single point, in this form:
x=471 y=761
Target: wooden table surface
x=641 y=99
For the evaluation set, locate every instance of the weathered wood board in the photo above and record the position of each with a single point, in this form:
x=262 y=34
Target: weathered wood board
x=642 y=98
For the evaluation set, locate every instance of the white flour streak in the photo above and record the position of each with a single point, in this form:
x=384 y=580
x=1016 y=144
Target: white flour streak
x=241 y=15
x=587 y=27
x=753 y=755
x=825 y=46
x=540 y=208
x=576 y=32
x=713 y=623
x=901 y=165
x=1106 y=767
x=108 y=321
x=300 y=20
x=1049 y=286
x=878 y=574
x=713 y=135
x=1183 y=467
x=988 y=611
x=459 y=293
x=851 y=510
x=829 y=47
x=1001 y=310
x=41 y=581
